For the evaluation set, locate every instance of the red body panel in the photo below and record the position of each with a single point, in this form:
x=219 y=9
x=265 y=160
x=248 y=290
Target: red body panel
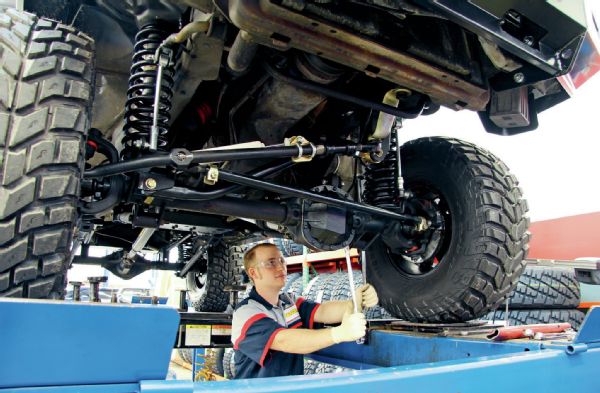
x=566 y=237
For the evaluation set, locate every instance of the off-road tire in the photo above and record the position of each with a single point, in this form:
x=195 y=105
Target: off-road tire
x=326 y=368
x=229 y=364
x=46 y=79
x=485 y=238
x=295 y=287
x=223 y=267
x=526 y=317
x=291 y=278
x=311 y=291
x=218 y=354
x=287 y=247
x=310 y=366
x=339 y=289
x=544 y=287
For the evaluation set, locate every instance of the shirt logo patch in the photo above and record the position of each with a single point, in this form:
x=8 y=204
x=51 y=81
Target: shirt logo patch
x=291 y=315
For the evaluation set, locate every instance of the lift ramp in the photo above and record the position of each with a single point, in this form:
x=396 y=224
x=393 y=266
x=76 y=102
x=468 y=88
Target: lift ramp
x=53 y=346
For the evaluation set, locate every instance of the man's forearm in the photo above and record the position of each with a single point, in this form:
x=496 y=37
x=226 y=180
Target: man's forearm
x=333 y=311
x=302 y=341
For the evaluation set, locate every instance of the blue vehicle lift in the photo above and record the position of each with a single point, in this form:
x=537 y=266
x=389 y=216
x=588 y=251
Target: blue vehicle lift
x=53 y=346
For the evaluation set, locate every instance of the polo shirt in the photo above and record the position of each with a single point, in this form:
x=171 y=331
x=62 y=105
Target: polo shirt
x=253 y=329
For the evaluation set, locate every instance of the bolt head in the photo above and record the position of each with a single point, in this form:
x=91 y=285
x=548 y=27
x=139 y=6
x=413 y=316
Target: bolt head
x=519 y=77
x=528 y=40
x=567 y=53
x=150 y=183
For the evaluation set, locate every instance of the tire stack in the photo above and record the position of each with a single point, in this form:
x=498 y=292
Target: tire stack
x=341 y=291
x=291 y=278
x=287 y=247
x=334 y=286
x=216 y=355
x=228 y=364
x=543 y=295
x=315 y=367
x=294 y=286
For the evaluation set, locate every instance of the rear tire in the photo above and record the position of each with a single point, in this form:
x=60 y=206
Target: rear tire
x=479 y=258
x=223 y=267
x=46 y=79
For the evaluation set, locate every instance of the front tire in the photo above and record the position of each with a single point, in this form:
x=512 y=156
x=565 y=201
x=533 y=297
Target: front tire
x=480 y=255
x=46 y=75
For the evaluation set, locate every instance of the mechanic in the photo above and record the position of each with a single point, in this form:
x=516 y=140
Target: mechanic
x=271 y=331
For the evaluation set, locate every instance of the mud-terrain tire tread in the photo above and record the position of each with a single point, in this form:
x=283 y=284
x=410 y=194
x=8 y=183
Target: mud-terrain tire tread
x=310 y=366
x=224 y=267
x=287 y=247
x=291 y=278
x=295 y=287
x=46 y=79
x=227 y=363
x=527 y=317
x=490 y=239
x=340 y=290
x=545 y=287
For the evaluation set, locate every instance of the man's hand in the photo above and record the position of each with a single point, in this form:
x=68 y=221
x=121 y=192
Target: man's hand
x=353 y=327
x=366 y=296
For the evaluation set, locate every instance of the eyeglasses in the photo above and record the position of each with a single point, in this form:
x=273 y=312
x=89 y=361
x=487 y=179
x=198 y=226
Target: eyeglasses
x=272 y=263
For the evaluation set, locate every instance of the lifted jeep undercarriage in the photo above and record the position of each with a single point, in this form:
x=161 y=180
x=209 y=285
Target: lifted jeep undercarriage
x=202 y=125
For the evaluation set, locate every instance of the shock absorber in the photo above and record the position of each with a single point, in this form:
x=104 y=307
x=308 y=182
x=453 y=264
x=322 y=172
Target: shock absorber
x=384 y=185
x=150 y=92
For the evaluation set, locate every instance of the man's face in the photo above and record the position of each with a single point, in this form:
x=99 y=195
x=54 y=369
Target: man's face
x=269 y=270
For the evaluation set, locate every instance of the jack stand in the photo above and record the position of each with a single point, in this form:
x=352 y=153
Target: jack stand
x=95 y=288
x=76 y=290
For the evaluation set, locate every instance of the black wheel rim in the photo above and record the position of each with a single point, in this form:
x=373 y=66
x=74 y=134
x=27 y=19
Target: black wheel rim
x=430 y=203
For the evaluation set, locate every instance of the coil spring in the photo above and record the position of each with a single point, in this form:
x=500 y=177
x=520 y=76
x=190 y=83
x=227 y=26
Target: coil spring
x=186 y=251
x=381 y=182
x=141 y=91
